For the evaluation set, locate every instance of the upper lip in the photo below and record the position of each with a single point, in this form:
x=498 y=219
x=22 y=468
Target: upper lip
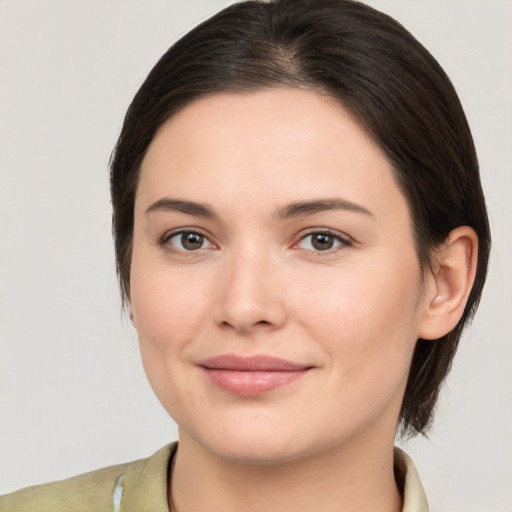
x=253 y=363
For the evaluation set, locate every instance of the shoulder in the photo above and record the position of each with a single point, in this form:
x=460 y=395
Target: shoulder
x=409 y=483
x=88 y=492
x=145 y=482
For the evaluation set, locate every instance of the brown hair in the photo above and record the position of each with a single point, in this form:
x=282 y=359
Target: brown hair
x=376 y=69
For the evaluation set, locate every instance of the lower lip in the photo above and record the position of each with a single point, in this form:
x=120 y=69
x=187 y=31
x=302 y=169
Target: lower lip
x=252 y=383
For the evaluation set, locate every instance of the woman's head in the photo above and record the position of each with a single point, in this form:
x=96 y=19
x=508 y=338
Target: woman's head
x=381 y=76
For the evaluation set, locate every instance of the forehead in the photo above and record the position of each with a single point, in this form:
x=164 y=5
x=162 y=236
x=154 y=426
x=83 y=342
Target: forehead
x=280 y=144
x=274 y=118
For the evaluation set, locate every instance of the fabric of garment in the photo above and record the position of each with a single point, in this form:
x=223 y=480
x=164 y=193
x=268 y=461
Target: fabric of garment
x=141 y=486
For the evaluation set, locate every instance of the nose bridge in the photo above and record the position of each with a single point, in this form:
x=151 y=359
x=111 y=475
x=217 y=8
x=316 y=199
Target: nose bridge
x=248 y=292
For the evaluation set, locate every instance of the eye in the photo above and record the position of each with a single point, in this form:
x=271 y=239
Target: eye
x=321 y=241
x=188 y=241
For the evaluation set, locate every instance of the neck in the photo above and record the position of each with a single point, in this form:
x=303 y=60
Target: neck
x=357 y=478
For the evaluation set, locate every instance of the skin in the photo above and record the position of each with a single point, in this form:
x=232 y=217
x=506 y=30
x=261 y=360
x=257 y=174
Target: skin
x=257 y=285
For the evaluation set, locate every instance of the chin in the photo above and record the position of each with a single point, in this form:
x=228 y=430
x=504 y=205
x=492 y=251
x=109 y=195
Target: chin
x=262 y=445
x=247 y=444
x=256 y=452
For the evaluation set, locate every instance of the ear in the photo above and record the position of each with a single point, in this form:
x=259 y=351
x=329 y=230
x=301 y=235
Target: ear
x=449 y=283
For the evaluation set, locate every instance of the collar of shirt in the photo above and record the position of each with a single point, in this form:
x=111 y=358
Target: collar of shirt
x=144 y=486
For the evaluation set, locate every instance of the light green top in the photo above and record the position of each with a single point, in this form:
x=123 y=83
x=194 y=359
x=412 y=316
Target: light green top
x=141 y=486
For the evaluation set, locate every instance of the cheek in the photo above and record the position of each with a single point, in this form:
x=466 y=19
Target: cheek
x=162 y=295
x=168 y=310
x=366 y=320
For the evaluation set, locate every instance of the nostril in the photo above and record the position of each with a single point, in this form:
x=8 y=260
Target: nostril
x=246 y=327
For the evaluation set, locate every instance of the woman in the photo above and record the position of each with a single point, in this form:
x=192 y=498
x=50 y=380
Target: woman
x=301 y=237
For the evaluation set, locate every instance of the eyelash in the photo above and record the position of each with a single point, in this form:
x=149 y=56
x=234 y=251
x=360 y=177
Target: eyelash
x=343 y=241
x=164 y=241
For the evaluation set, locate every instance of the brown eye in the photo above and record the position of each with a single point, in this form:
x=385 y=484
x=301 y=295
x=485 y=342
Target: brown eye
x=321 y=242
x=192 y=241
x=189 y=241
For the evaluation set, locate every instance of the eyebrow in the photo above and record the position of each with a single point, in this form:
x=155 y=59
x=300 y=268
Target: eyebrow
x=295 y=209
x=179 y=205
x=302 y=208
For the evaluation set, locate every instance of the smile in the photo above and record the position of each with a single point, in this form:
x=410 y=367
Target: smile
x=253 y=375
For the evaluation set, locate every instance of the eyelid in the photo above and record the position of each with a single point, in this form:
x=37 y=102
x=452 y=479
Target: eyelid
x=344 y=239
x=164 y=240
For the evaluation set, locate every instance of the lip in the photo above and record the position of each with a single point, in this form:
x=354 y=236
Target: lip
x=251 y=375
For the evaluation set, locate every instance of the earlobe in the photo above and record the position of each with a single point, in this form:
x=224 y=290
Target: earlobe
x=449 y=284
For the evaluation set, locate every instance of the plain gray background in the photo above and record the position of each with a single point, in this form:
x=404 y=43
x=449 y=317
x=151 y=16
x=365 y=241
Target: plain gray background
x=73 y=396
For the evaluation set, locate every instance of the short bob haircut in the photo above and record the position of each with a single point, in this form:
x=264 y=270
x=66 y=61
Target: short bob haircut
x=383 y=76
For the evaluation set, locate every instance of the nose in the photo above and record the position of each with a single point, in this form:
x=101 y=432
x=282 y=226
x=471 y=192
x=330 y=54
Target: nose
x=250 y=296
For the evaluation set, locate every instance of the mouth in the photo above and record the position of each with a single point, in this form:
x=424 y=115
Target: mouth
x=251 y=375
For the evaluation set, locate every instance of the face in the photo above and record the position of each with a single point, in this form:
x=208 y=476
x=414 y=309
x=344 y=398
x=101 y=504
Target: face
x=275 y=286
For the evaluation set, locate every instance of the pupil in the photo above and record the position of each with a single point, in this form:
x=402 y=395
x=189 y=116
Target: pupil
x=322 y=242
x=191 y=241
